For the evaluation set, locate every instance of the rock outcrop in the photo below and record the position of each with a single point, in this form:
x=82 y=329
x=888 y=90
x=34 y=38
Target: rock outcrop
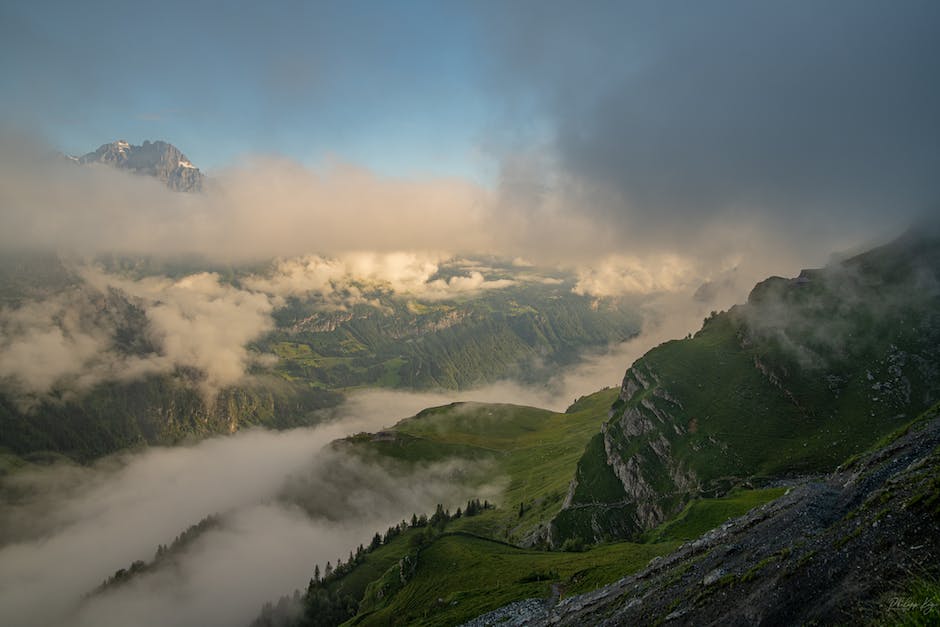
x=777 y=387
x=157 y=159
x=831 y=551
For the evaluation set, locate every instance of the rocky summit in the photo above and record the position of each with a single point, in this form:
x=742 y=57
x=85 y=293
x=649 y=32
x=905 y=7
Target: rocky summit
x=158 y=159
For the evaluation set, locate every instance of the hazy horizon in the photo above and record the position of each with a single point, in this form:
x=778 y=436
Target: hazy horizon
x=646 y=159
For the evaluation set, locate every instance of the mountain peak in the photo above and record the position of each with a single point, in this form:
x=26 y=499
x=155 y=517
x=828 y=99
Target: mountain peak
x=153 y=158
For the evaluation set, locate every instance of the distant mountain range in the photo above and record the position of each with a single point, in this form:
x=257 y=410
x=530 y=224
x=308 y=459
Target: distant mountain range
x=395 y=342
x=808 y=415
x=158 y=159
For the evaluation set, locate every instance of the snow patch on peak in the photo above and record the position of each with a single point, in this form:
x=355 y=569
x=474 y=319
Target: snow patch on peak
x=159 y=159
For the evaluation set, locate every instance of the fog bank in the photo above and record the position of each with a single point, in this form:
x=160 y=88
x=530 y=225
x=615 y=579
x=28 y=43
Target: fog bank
x=68 y=528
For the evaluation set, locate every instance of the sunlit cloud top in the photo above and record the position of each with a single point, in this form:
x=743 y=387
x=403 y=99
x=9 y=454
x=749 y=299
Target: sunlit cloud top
x=611 y=127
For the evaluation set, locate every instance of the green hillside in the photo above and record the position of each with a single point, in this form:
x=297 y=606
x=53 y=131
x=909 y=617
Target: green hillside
x=459 y=577
x=808 y=372
x=452 y=566
x=534 y=452
x=525 y=332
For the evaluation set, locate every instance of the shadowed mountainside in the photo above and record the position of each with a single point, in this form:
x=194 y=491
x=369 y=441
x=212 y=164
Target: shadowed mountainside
x=810 y=371
x=832 y=551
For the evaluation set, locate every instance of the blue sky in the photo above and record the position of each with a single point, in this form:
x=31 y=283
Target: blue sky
x=397 y=87
x=658 y=119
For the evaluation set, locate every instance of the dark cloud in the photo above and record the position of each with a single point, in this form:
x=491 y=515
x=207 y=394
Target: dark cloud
x=808 y=118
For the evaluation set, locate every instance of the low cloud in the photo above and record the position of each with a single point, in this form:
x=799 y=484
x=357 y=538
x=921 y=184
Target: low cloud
x=335 y=223
x=72 y=341
x=618 y=274
x=778 y=125
x=68 y=343
x=71 y=527
x=261 y=209
x=42 y=343
x=814 y=320
x=199 y=322
x=343 y=280
x=115 y=328
x=288 y=503
x=471 y=283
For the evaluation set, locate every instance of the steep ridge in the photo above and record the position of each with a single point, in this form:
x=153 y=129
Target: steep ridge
x=533 y=453
x=835 y=550
x=407 y=575
x=773 y=394
x=808 y=372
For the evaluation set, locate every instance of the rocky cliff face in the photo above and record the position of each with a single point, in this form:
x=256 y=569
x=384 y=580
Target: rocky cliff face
x=808 y=372
x=158 y=159
x=835 y=550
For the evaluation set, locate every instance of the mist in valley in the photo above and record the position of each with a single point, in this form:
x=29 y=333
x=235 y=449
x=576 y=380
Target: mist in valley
x=658 y=164
x=67 y=527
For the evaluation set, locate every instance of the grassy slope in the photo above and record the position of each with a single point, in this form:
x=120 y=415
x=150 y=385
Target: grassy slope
x=746 y=408
x=470 y=566
x=462 y=576
x=375 y=564
x=702 y=515
x=731 y=401
x=535 y=450
x=803 y=376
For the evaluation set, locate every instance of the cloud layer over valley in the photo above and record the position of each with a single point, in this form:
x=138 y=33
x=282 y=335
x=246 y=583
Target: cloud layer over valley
x=396 y=194
x=67 y=528
x=111 y=328
x=267 y=208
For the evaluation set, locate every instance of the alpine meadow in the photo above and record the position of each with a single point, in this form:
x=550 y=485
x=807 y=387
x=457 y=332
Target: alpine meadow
x=469 y=313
